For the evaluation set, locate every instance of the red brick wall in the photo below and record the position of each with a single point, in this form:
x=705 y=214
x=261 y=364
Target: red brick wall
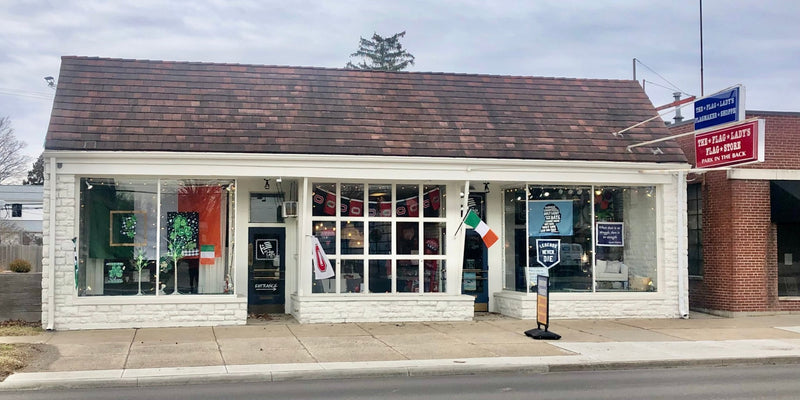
x=782 y=140
x=740 y=271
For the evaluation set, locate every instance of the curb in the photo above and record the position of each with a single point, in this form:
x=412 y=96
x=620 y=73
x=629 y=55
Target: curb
x=28 y=381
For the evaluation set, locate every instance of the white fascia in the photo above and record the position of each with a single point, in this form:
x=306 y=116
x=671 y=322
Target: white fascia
x=765 y=174
x=357 y=167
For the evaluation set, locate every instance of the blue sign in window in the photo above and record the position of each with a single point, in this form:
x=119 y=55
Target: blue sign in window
x=610 y=234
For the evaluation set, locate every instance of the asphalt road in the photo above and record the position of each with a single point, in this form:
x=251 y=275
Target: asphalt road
x=729 y=383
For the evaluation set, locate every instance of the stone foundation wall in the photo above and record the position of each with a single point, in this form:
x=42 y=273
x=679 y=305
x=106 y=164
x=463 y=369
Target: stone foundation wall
x=323 y=309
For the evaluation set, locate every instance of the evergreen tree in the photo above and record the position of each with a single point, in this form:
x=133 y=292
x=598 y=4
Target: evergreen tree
x=383 y=54
x=36 y=173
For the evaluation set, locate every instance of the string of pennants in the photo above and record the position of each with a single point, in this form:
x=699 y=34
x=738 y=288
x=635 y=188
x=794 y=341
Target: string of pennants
x=324 y=203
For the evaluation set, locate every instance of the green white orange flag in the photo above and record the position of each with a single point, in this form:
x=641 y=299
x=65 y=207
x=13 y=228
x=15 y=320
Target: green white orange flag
x=487 y=234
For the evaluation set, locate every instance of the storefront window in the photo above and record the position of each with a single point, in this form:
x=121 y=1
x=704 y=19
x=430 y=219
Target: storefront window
x=694 y=211
x=266 y=207
x=625 y=238
x=395 y=234
x=122 y=252
x=433 y=249
x=516 y=258
x=352 y=276
x=784 y=204
x=585 y=238
x=559 y=220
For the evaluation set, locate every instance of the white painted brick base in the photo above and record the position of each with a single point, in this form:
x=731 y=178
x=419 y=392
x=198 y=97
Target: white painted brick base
x=138 y=314
x=330 y=309
x=589 y=305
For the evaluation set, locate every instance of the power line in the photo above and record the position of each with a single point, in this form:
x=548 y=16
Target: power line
x=665 y=87
x=675 y=87
x=23 y=93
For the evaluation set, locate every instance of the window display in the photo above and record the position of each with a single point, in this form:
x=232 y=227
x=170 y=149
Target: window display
x=584 y=238
x=384 y=238
x=137 y=239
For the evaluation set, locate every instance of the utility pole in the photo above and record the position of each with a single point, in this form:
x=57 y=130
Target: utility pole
x=701 y=49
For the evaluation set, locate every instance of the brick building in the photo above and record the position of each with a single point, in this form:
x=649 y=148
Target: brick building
x=744 y=226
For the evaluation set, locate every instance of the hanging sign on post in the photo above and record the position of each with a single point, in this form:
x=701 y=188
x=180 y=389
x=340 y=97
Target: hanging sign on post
x=731 y=145
x=719 y=108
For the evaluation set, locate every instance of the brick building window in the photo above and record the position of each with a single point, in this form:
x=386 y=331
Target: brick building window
x=16 y=210
x=694 y=209
x=785 y=205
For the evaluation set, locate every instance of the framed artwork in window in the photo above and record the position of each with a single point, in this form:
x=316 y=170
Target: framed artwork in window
x=127 y=228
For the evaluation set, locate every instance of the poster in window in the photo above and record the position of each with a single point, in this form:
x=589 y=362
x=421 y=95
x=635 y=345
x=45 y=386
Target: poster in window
x=186 y=226
x=113 y=272
x=609 y=234
x=470 y=282
x=266 y=249
x=549 y=218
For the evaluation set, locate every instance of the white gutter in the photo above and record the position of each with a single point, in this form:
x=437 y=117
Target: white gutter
x=51 y=249
x=683 y=265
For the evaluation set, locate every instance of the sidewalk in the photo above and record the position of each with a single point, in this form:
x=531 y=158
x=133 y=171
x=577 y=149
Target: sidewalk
x=283 y=349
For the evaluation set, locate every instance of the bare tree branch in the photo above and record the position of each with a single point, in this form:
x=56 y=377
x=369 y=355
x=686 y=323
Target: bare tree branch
x=12 y=161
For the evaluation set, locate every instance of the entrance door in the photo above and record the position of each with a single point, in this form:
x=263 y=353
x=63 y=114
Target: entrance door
x=475 y=270
x=266 y=270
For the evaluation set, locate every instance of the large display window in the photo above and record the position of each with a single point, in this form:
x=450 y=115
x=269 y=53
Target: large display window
x=585 y=238
x=380 y=237
x=785 y=203
x=149 y=236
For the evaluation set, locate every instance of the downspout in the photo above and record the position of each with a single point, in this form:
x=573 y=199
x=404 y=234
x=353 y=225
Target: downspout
x=683 y=264
x=51 y=249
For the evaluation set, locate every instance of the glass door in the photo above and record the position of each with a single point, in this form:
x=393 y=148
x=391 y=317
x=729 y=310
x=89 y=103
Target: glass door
x=474 y=280
x=266 y=270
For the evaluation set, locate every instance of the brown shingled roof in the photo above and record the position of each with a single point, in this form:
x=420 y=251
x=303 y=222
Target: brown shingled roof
x=140 y=105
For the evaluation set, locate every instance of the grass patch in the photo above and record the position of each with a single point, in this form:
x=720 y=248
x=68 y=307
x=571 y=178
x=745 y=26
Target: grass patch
x=20 y=328
x=12 y=358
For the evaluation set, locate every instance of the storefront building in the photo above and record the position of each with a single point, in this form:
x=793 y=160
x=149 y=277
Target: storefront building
x=186 y=194
x=744 y=226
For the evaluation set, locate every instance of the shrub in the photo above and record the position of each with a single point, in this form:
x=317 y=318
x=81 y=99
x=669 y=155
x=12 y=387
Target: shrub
x=20 y=265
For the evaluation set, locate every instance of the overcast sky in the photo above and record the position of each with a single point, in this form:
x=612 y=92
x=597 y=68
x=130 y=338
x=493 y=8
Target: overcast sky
x=755 y=43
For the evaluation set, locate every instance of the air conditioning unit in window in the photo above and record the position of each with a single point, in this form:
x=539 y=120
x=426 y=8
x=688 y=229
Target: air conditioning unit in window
x=289 y=209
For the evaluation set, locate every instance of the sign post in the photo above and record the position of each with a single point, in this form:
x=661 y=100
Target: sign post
x=542 y=311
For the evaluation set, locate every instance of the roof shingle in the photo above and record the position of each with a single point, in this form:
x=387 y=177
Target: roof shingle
x=142 y=105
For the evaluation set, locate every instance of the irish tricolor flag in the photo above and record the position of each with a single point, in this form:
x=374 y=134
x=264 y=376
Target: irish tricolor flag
x=487 y=234
x=207 y=254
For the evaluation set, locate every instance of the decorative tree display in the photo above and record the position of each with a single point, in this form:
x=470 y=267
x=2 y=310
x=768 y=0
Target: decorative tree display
x=139 y=261
x=383 y=54
x=182 y=237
